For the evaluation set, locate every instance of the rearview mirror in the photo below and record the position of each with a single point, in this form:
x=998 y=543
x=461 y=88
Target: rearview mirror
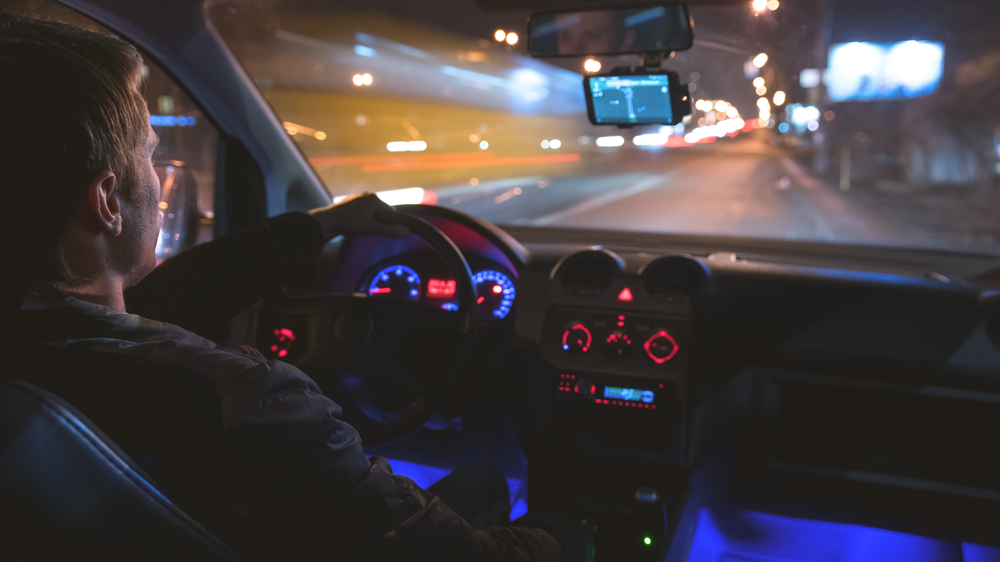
x=619 y=31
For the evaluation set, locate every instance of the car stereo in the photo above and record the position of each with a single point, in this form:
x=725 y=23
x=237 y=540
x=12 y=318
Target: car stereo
x=636 y=97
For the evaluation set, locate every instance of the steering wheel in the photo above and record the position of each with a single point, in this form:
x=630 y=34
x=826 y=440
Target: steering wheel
x=390 y=364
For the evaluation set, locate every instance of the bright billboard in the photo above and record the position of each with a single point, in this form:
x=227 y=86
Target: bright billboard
x=872 y=71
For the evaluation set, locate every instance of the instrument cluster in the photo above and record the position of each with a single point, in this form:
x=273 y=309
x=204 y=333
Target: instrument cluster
x=416 y=279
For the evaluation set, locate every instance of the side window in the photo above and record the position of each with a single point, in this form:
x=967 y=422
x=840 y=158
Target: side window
x=185 y=160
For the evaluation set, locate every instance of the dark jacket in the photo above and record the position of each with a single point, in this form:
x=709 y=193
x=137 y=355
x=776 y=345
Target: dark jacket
x=249 y=447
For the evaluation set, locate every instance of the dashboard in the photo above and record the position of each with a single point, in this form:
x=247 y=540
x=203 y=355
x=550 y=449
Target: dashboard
x=651 y=355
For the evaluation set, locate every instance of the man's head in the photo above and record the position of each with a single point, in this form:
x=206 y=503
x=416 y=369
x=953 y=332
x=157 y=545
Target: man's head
x=76 y=167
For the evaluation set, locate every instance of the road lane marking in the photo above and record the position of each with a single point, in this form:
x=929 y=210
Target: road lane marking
x=800 y=176
x=600 y=200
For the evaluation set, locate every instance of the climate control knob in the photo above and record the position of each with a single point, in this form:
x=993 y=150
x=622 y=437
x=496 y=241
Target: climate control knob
x=618 y=344
x=577 y=339
x=661 y=347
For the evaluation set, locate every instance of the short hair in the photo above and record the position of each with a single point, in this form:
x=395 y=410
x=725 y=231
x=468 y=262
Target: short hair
x=72 y=108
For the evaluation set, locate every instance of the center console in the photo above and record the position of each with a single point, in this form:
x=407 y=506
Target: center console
x=618 y=345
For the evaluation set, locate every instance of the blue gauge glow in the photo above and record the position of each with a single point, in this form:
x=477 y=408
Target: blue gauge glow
x=397 y=281
x=494 y=294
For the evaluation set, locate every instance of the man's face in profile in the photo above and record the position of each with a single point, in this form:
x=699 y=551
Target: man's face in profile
x=591 y=33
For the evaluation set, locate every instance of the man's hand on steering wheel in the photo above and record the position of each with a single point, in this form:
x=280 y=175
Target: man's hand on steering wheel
x=356 y=216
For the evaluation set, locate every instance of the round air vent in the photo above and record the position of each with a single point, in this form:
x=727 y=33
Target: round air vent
x=673 y=276
x=589 y=272
x=993 y=328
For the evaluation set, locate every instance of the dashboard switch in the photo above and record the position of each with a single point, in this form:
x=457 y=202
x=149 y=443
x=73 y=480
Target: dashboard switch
x=618 y=344
x=577 y=339
x=661 y=347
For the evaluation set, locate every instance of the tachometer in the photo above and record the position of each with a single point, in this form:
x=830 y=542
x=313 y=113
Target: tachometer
x=396 y=281
x=494 y=293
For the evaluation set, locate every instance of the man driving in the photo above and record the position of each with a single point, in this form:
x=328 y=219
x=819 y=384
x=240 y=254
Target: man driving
x=249 y=447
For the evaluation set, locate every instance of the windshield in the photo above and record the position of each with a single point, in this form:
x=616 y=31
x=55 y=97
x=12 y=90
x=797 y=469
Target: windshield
x=823 y=120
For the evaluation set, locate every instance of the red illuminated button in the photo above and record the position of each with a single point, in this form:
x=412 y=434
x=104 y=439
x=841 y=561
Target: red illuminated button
x=618 y=344
x=625 y=295
x=283 y=340
x=576 y=339
x=661 y=347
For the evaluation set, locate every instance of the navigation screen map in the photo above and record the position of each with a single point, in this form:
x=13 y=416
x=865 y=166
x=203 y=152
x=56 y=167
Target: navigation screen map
x=631 y=99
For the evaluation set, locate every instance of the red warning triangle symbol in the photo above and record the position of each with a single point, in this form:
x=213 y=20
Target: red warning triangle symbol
x=625 y=295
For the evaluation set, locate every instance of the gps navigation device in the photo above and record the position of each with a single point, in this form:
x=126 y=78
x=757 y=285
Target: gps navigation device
x=636 y=99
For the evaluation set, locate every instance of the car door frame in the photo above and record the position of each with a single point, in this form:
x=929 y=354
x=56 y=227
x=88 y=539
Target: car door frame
x=180 y=37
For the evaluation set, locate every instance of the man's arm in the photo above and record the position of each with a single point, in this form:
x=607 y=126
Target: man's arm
x=202 y=288
x=301 y=477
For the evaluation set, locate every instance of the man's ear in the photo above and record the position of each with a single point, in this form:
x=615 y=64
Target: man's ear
x=103 y=204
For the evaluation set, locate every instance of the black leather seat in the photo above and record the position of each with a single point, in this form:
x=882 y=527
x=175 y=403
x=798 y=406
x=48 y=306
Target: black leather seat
x=68 y=493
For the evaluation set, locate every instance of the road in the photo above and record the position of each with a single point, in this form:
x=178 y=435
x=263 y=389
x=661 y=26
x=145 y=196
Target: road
x=741 y=187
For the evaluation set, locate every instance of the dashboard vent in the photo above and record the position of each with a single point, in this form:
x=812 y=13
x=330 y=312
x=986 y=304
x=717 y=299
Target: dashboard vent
x=993 y=328
x=588 y=273
x=674 y=276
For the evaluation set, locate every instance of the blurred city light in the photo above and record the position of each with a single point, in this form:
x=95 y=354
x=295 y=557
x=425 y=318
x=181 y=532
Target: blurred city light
x=721 y=105
x=367 y=79
x=759 y=5
x=511 y=38
x=813 y=125
x=554 y=144
x=591 y=65
x=364 y=51
x=732 y=113
x=758 y=82
x=803 y=115
x=483 y=145
x=320 y=135
x=829 y=115
x=773 y=5
x=358 y=80
x=500 y=35
x=545 y=143
x=406 y=146
x=761 y=90
x=610 y=141
x=650 y=139
x=779 y=98
x=809 y=77
x=763 y=103
x=760 y=60
x=783 y=128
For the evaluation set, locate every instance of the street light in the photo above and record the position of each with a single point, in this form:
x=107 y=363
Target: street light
x=511 y=38
x=779 y=98
x=760 y=60
x=500 y=35
x=773 y=5
x=759 y=5
x=591 y=65
x=758 y=82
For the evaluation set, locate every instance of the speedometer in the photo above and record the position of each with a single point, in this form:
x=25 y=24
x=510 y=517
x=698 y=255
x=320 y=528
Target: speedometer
x=494 y=293
x=396 y=281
